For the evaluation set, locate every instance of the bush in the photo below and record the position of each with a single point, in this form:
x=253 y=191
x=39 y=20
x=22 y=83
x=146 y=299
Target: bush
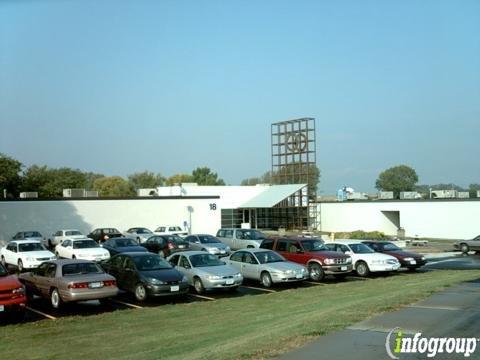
x=368 y=235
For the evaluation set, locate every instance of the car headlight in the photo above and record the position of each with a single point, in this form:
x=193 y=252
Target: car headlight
x=213 y=277
x=329 y=261
x=409 y=259
x=184 y=279
x=422 y=258
x=349 y=260
x=237 y=275
x=20 y=290
x=378 y=262
x=155 y=281
x=392 y=261
x=29 y=258
x=212 y=250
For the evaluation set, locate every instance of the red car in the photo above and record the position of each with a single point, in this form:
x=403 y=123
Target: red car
x=407 y=259
x=12 y=294
x=313 y=254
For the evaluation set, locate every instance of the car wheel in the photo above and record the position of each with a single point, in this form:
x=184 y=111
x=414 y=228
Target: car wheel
x=55 y=299
x=20 y=265
x=140 y=292
x=464 y=248
x=315 y=271
x=266 y=279
x=198 y=286
x=362 y=269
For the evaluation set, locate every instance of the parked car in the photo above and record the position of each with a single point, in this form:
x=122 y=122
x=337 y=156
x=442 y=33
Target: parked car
x=364 y=259
x=139 y=233
x=170 y=230
x=25 y=254
x=467 y=245
x=121 y=244
x=85 y=249
x=205 y=271
x=146 y=274
x=61 y=235
x=12 y=294
x=165 y=245
x=208 y=243
x=64 y=281
x=407 y=259
x=240 y=238
x=29 y=235
x=100 y=235
x=266 y=266
x=312 y=253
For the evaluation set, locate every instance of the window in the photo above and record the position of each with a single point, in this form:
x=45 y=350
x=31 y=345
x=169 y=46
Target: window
x=50 y=270
x=184 y=262
x=12 y=247
x=237 y=256
x=228 y=234
x=342 y=248
x=129 y=264
x=59 y=233
x=267 y=244
x=174 y=260
x=40 y=271
x=161 y=229
x=293 y=247
x=117 y=261
x=81 y=269
x=67 y=243
x=249 y=259
x=331 y=247
x=240 y=234
x=221 y=233
x=172 y=228
x=282 y=245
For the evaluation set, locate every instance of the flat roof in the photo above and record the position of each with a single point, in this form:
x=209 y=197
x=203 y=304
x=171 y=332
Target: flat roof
x=272 y=196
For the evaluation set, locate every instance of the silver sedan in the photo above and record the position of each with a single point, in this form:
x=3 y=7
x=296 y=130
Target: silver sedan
x=208 y=243
x=205 y=271
x=266 y=266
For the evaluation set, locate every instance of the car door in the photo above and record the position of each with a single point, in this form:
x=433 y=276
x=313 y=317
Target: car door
x=128 y=274
x=227 y=239
x=237 y=241
x=474 y=244
x=65 y=249
x=236 y=260
x=30 y=279
x=46 y=280
x=194 y=242
x=282 y=248
x=250 y=266
x=185 y=267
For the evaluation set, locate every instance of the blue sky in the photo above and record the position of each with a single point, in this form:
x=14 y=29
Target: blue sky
x=123 y=86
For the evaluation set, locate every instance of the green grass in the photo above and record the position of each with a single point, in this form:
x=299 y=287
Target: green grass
x=259 y=326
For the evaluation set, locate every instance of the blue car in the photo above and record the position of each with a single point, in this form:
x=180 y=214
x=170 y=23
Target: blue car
x=122 y=245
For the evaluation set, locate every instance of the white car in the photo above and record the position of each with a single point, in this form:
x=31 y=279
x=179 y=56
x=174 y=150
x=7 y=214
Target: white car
x=61 y=235
x=140 y=234
x=84 y=249
x=25 y=254
x=365 y=259
x=170 y=230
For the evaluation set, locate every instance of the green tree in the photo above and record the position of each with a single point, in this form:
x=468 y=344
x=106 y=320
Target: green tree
x=398 y=178
x=90 y=178
x=145 y=179
x=472 y=189
x=179 y=179
x=299 y=173
x=113 y=186
x=51 y=182
x=264 y=179
x=205 y=176
x=10 y=177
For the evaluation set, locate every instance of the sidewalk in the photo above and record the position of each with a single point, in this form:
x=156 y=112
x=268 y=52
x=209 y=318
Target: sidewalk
x=454 y=312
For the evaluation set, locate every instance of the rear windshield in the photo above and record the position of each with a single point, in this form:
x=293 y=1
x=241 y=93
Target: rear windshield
x=30 y=247
x=29 y=234
x=84 y=244
x=81 y=269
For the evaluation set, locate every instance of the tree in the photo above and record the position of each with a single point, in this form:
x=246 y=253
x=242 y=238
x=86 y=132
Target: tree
x=51 y=182
x=205 y=176
x=10 y=178
x=113 y=186
x=90 y=178
x=145 y=179
x=264 y=179
x=179 y=179
x=398 y=178
x=299 y=173
x=473 y=188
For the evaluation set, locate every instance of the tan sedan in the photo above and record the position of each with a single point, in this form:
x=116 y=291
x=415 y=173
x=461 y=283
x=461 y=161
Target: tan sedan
x=69 y=281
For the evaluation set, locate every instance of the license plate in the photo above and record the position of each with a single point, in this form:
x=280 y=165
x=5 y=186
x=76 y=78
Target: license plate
x=95 y=285
x=2 y=308
x=343 y=268
x=174 y=288
x=181 y=246
x=222 y=251
x=299 y=276
x=230 y=281
x=413 y=262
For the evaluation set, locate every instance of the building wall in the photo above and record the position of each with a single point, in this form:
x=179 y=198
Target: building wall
x=48 y=216
x=454 y=219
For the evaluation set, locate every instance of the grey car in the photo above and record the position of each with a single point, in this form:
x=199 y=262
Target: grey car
x=468 y=245
x=30 y=235
x=140 y=234
x=266 y=266
x=240 y=238
x=205 y=271
x=208 y=243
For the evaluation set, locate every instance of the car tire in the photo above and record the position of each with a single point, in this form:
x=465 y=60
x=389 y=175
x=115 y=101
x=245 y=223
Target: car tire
x=316 y=272
x=266 y=279
x=55 y=299
x=140 y=292
x=20 y=265
x=362 y=269
x=464 y=248
x=198 y=286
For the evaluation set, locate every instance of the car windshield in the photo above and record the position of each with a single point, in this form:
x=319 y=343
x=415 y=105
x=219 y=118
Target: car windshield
x=208 y=239
x=150 y=262
x=265 y=257
x=313 y=245
x=3 y=271
x=204 y=260
x=30 y=247
x=80 y=269
x=175 y=239
x=361 y=249
x=72 y=232
x=84 y=244
x=253 y=235
x=390 y=247
x=30 y=234
x=124 y=242
x=143 y=231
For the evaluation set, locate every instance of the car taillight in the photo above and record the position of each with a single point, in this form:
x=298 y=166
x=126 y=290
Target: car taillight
x=170 y=246
x=83 y=285
x=109 y=283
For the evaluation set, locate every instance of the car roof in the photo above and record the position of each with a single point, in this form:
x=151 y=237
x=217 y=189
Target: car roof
x=346 y=241
x=254 y=250
x=80 y=239
x=191 y=252
x=25 y=241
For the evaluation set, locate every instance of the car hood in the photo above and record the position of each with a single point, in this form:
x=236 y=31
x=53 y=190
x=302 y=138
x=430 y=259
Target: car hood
x=375 y=256
x=215 y=246
x=222 y=270
x=282 y=266
x=9 y=282
x=91 y=251
x=76 y=236
x=37 y=254
x=163 y=275
x=403 y=254
x=327 y=254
